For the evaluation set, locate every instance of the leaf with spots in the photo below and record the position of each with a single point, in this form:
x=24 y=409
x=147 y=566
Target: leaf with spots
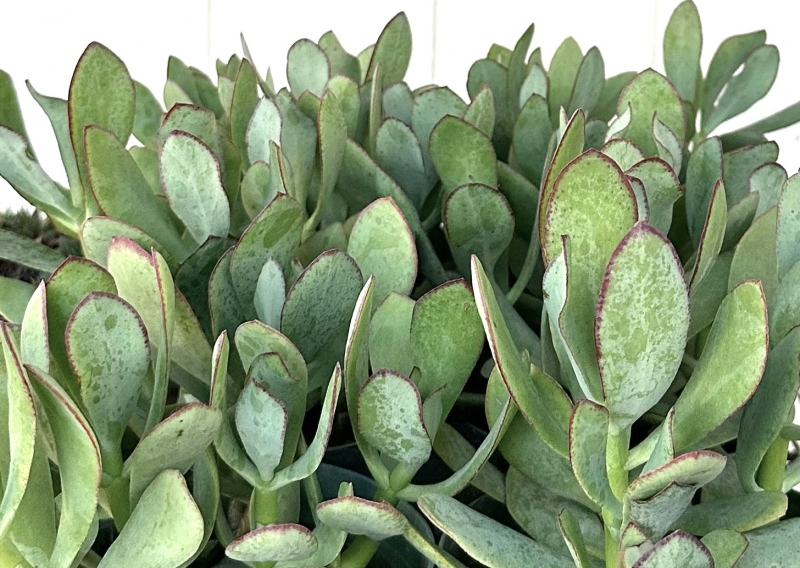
x=677 y=549
x=261 y=421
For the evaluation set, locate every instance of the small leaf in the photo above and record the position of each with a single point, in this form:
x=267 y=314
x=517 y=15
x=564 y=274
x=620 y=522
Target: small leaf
x=712 y=236
x=273 y=543
x=703 y=170
x=624 y=152
x=783 y=308
x=261 y=421
x=677 y=549
x=726 y=547
x=97 y=233
x=254 y=338
x=740 y=513
x=662 y=188
x=755 y=257
x=400 y=154
x=740 y=164
x=462 y=154
x=767 y=181
x=28 y=252
x=197 y=121
x=481 y=113
x=670 y=148
x=390 y=335
x=532 y=133
x=264 y=127
x=166 y=523
x=588 y=435
x=362 y=517
x=243 y=103
x=589 y=82
x=562 y=73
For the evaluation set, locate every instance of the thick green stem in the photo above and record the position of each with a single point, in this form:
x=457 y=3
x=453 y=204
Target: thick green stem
x=616 y=457
x=611 y=542
x=772 y=470
x=264 y=508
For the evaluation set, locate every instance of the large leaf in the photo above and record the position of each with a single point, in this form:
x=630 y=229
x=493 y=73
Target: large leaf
x=755 y=257
x=772 y=545
x=650 y=94
x=307 y=68
x=273 y=543
x=165 y=528
x=677 y=549
x=641 y=324
x=392 y=50
x=28 y=252
x=588 y=437
x=788 y=228
x=359 y=516
x=261 y=421
x=683 y=41
x=740 y=513
x=462 y=154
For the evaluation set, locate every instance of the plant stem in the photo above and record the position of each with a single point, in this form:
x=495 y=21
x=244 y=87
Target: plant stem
x=611 y=542
x=772 y=470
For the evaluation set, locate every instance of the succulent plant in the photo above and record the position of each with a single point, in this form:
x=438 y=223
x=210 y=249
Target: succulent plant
x=578 y=255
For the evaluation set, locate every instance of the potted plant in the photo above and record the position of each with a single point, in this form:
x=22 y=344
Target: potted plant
x=579 y=258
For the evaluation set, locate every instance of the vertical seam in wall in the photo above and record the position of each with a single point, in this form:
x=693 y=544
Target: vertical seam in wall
x=653 y=62
x=433 y=41
x=209 y=65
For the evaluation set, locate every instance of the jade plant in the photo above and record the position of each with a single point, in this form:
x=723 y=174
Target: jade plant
x=584 y=259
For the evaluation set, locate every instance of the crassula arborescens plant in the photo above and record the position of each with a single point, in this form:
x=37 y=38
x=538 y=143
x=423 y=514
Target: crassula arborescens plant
x=580 y=257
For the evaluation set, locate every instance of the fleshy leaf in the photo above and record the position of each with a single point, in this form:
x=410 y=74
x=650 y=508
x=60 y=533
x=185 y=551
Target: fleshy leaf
x=462 y=154
x=788 y=225
x=683 y=41
x=726 y=547
x=712 y=236
x=392 y=50
x=650 y=93
x=588 y=435
x=261 y=421
x=677 y=549
x=359 y=516
x=390 y=335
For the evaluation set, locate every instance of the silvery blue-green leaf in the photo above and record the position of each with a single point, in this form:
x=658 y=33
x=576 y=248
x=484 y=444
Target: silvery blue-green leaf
x=726 y=547
x=109 y=353
x=740 y=164
x=392 y=50
x=255 y=188
x=307 y=68
x=399 y=153
x=80 y=469
x=683 y=41
x=255 y=338
x=662 y=188
x=429 y=108
x=784 y=308
x=28 y=252
x=34 y=345
x=107 y=103
x=512 y=368
x=571 y=531
x=390 y=335
x=147 y=160
x=641 y=198
x=677 y=549
x=744 y=89
x=534 y=84
x=711 y=237
x=562 y=73
x=522 y=197
x=264 y=127
x=493 y=74
x=342 y=63
x=619 y=124
x=122 y=191
x=20 y=412
x=166 y=523
x=788 y=229
x=261 y=421
x=767 y=411
x=383 y=246
x=641 y=324
x=197 y=121
x=270 y=294
x=332 y=139
x=66 y=287
x=703 y=170
x=655 y=515
x=96 y=234
x=531 y=137
x=360 y=516
x=28 y=178
x=446 y=340
x=772 y=545
x=484 y=539
x=346 y=91
x=569 y=147
x=767 y=181
x=740 y=513
x=390 y=418
x=190 y=176
x=196 y=426
x=273 y=543
x=311 y=318
x=670 y=148
x=398 y=102
x=481 y=112
x=274 y=233
x=175 y=95
x=738 y=344
x=606 y=106
x=462 y=154
x=16 y=295
x=589 y=81
x=650 y=93
x=56 y=111
x=536 y=508
x=692 y=469
x=588 y=435
x=179 y=73
x=147 y=115
x=243 y=102
x=624 y=152
x=374 y=110
x=517 y=66
x=740 y=217
x=755 y=257
x=477 y=221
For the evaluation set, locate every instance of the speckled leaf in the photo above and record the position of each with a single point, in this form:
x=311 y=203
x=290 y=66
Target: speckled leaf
x=462 y=154
x=28 y=252
x=662 y=188
x=738 y=344
x=624 y=152
x=772 y=546
x=643 y=296
x=446 y=340
x=392 y=50
x=531 y=137
x=382 y=245
x=399 y=153
x=655 y=515
x=254 y=338
x=765 y=413
x=740 y=513
x=477 y=220
x=264 y=127
x=255 y=188
x=756 y=257
x=788 y=229
x=275 y=233
x=273 y=543
x=784 y=308
x=670 y=148
x=261 y=421
x=166 y=523
x=535 y=83
x=650 y=93
x=97 y=233
x=78 y=457
x=359 y=516
x=484 y=539
x=190 y=176
x=346 y=91
x=711 y=237
x=481 y=112
x=683 y=41
x=196 y=426
x=101 y=93
x=664 y=448
x=691 y=469
x=767 y=181
x=568 y=148
x=740 y=164
x=197 y=121
x=332 y=139
x=390 y=418
x=514 y=371
x=726 y=547
x=34 y=345
x=270 y=294
x=307 y=68
x=571 y=531
x=588 y=433
x=311 y=316
x=109 y=353
x=342 y=63
x=390 y=335
x=677 y=549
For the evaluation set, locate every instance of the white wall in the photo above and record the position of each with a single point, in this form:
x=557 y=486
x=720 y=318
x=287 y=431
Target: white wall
x=43 y=39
